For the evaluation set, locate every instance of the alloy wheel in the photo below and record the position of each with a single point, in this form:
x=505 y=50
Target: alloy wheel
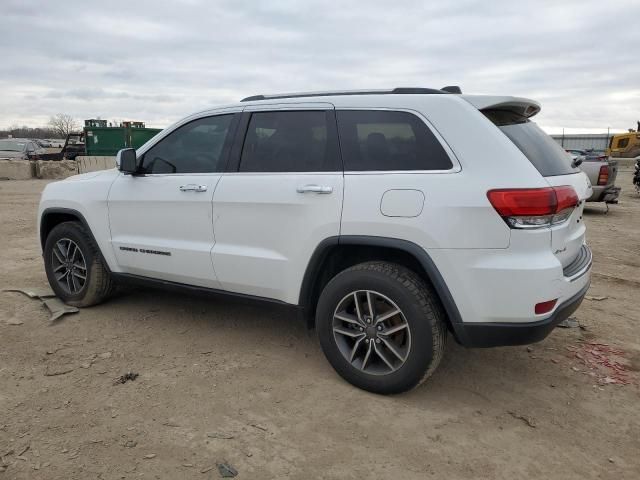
x=69 y=266
x=371 y=332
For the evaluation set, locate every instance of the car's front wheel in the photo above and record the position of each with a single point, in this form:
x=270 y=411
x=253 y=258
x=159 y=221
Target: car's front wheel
x=75 y=269
x=381 y=327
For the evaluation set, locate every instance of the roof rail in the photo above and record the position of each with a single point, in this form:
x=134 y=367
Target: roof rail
x=398 y=90
x=452 y=89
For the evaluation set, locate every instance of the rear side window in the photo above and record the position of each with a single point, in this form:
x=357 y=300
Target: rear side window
x=384 y=140
x=298 y=141
x=543 y=152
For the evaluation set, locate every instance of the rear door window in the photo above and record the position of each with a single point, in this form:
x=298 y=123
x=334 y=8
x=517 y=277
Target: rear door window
x=383 y=140
x=543 y=152
x=290 y=141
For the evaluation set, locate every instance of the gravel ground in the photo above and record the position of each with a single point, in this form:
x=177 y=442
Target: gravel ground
x=226 y=382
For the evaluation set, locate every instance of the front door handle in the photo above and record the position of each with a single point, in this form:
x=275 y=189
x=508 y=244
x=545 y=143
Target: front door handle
x=192 y=187
x=314 y=189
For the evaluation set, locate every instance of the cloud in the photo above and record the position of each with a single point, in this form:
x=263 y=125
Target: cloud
x=157 y=62
x=100 y=94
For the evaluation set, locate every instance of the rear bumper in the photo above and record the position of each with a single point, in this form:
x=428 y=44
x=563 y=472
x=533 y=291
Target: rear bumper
x=482 y=335
x=609 y=194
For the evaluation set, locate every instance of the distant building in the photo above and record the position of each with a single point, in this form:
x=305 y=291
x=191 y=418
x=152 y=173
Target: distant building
x=583 y=141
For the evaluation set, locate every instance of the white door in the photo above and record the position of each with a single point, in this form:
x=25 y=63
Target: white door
x=283 y=200
x=161 y=220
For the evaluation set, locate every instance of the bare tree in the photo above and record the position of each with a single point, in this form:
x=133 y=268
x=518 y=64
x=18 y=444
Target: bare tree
x=63 y=124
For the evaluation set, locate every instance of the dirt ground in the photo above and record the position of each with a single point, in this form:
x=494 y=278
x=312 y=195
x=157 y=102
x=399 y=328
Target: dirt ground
x=225 y=382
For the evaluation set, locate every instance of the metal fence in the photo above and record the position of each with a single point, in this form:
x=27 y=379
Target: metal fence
x=599 y=142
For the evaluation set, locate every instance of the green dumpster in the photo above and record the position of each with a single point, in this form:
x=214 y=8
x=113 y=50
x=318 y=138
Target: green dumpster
x=102 y=140
x=140 y=136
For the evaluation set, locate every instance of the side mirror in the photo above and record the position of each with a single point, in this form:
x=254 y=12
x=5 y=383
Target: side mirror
x=127 y=161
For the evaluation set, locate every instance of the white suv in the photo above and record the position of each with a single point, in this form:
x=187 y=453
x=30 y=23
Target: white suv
x=387 y=218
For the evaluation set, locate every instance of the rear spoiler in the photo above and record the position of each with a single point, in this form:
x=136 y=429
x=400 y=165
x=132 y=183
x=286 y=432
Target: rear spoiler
x=522 y=106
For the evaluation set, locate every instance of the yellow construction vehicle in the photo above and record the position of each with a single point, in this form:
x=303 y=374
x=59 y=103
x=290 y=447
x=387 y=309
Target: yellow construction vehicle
x=625 y=145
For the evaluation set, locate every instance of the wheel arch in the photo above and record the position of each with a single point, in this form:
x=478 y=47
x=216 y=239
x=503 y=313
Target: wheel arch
x=334 y=254
x=51 y=217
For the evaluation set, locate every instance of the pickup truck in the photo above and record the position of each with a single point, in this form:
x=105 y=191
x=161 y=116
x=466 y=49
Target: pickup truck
x=602 y=172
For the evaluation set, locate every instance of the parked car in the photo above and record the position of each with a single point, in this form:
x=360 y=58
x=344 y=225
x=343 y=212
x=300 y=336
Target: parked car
x=388 y=219
x=589 y=154
x=578 y=156
x=55 y=142
x=20 y=149
x=592 y=154
x=602 y=172
x=602 y=175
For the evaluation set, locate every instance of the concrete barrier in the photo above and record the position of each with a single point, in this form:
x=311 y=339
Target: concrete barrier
x=16 y=169
x=93 y=164
x=53 y=170
x=56 y=170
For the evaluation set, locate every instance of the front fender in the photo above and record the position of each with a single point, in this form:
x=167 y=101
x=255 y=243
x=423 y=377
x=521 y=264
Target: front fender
x=85 y=197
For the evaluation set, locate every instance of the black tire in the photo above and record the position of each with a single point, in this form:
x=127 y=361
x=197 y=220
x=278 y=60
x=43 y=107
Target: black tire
x=98 y=284
x=421 y=310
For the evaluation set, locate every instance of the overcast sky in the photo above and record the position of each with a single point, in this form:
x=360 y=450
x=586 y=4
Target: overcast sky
x=158 y=61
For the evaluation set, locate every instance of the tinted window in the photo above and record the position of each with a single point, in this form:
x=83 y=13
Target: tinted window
x=542 y=151
x=623 y=143
x=196 y=147
x=384 y=140
x=289 y=142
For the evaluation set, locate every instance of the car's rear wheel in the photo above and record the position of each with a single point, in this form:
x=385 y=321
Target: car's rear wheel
x=75 y=269
x=381 y=327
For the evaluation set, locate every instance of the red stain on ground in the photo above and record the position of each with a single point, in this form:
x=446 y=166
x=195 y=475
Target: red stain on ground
x=606 y=363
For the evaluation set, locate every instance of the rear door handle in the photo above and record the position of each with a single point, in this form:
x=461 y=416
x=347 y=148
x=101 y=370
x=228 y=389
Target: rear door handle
x=314 y=189
x=192 y=187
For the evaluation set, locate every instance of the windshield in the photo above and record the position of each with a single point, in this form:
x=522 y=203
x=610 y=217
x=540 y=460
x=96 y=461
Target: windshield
x=12 y=145
x=542 y=151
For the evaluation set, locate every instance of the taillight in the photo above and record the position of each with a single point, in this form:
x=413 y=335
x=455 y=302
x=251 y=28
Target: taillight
x=566 y=197
x=603 y=176
x=534 y=207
